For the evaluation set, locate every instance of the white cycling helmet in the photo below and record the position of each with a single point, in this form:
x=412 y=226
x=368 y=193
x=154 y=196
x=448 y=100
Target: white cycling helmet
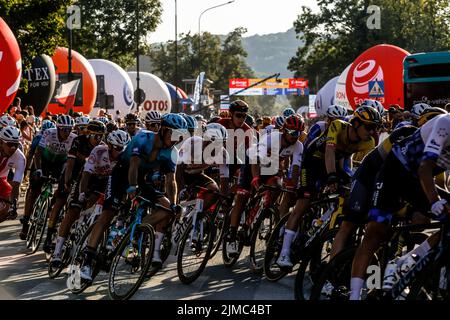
x=153 y=116
x=81 y=121
x=375 y=104
x=418 y=108
x=336 y=111
x=10 y=134
x=215 y=131
x=6 y=120
x=64 y=120
x=118 y=138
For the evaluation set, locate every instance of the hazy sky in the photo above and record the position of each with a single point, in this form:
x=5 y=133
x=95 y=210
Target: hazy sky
x=258 y=16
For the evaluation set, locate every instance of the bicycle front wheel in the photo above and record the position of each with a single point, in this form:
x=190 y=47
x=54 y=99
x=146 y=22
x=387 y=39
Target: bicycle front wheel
x=40 y=223
x=131 y=262
x=195 y=249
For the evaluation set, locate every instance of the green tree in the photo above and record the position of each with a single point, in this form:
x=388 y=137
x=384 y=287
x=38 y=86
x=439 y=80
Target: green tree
x=109 y=28
x=338 y=33
x=39 y=25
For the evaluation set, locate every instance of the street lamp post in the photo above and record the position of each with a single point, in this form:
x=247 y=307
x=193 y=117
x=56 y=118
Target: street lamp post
x=176 y=61
x=138 y=91
x=199 y=36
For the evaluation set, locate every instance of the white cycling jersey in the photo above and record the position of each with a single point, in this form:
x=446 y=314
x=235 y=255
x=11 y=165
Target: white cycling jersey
x=99 y=163
x=264 y=150
x=53 y=146
x=192 y=152
x=17 y=162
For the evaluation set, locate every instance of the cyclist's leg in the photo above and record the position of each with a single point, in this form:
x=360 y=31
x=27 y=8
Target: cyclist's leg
x=241 y=198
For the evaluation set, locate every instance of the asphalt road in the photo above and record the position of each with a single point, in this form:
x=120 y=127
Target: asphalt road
x=24 y=276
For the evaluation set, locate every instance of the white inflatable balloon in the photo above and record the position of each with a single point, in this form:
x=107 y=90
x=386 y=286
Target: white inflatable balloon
x=157 y=95
x=325 y=96
x=116 y=83
x=340 y=94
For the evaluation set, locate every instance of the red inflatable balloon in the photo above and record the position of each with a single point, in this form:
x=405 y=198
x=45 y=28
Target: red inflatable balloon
x=81 y=69
x=10 y=66
x=377 y=74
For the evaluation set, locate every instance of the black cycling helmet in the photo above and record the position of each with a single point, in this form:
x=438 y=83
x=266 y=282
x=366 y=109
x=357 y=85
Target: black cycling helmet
x=368 y=115
x=250 y=120
x=131 y=118
x=96 y=127
x=239 y=106
x=111 y=126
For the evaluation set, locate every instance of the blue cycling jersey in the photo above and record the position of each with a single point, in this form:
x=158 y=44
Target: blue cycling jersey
x=142 y=145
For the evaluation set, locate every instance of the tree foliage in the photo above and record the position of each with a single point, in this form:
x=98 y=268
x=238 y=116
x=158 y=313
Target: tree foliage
x=39 y=25
x=338 y=33
x=109 y=28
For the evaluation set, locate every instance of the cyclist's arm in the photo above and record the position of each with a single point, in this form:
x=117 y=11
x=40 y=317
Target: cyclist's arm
x=224 y=178
x=37 y=158
x=133 y=171
x=84 y=182
x=171 y=187
x=15 y=190
x=425 y=173
x=69 y=169
x=330 y=158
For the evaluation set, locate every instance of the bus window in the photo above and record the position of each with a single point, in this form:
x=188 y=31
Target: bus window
x=430 y=71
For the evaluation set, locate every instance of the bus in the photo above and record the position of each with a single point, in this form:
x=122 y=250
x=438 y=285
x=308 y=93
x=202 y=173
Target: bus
x=426 y=79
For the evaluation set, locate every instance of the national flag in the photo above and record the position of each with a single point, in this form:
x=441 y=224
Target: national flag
x=67 y=93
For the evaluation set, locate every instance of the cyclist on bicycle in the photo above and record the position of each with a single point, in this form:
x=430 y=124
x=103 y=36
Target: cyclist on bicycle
x=84 y=194
x=252 y=175
x=50 y=157
x=10 y=158
x=153 y=121
x=408 y=175
x=146 y=152
x=323 y=160
x=78 y=153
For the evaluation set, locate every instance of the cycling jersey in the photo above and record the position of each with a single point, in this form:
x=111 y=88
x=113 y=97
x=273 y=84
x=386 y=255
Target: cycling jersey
x=430 y=142
x=55 y=150
x=17 y=162
x=337 y=136
x=99 y=162
x=142 y=146
x=81 y=148
x=192 y=152
x=315 y=131
x=227 y=123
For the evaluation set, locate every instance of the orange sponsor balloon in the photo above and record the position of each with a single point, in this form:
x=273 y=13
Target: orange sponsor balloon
x=81 y=69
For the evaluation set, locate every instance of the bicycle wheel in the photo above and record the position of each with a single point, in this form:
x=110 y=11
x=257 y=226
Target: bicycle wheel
x=334 y=283
x=31 y=235
x=131 y=262
x=65 y=260
x=219 y=222
x=260 y=237
x=312 y=266
x=74 y=282
x=40 y=224
x=272 y=271
x=230 y=260
x=195 y=248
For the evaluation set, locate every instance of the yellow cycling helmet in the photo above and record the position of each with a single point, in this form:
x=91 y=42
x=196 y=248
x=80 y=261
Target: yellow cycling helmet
x=429 y=114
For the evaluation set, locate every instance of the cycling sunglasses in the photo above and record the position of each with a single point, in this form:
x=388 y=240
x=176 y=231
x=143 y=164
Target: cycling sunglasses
x=372 y=127
x=240 y=115
x=65 y=129
x=153 y=124
x=293 y=133
x=117 y=148
x=96 y=136
x=12 y=144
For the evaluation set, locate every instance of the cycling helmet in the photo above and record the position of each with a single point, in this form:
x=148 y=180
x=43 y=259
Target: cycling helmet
x=224 y=114
x=336 y=111
x=367 y=115
x=131 y=118
x=111 y=126
x=250 y=120
x=153 y=116
x=239 y=106
x=96 y=127
x=376 y=104
x=6 y=120
x=294 y=122
x=174 y=121
x=279 y=121
x=192 y=123
x=288 y=112
x=81 y=121
x=118 y=138
x=47 y=124
x=429 y=114
x=214 y=119
x=418 y=108
x=104 y=120
x=215 y=131
x=10 y=134
x=64 y=121
x=199 y=117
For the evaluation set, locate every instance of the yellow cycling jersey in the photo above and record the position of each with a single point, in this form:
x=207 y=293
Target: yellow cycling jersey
x=337 y=135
